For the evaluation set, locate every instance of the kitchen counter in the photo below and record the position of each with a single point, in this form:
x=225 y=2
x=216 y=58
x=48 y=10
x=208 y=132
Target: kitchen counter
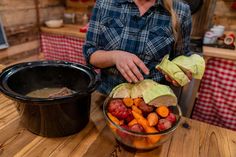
x=209 y=52
x=67 y=29
x=96 y=140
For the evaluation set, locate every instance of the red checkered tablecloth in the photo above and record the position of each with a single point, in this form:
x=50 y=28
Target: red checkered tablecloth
x=62 y=47
x=216 y=103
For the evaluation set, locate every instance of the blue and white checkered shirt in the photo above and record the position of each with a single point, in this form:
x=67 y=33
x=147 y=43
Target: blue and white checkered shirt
x=117 y=25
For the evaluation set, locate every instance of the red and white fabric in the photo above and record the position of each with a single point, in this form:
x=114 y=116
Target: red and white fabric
x=60 y=47
x=216 y=103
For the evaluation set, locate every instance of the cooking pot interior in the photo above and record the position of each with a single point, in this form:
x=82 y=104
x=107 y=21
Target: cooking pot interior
x=27 y=79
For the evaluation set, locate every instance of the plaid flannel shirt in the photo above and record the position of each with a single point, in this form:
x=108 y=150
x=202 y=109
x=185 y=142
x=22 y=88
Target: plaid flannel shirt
x=117 y=25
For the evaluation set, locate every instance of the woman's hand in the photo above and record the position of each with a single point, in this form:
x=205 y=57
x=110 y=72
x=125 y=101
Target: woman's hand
x=128 y=65
x=175 y=83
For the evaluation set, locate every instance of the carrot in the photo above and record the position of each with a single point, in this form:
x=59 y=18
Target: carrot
x=137 y=101
x=134 y=121
x=136 y=109
x=128 y=102
x=152 y=119
x=149 y=129
x=140 y=119
x=114 y=119
x=153 y=138
x=163 y=111
x=141 y=143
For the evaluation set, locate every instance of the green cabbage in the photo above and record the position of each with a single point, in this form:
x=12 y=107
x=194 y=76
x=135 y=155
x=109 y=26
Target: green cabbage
x=122 y=90
x=200 y=63
x=195 y=64
x=173 y=71
x=185 y=64
x=138 y=88
x=152 y=92
x=159 y=95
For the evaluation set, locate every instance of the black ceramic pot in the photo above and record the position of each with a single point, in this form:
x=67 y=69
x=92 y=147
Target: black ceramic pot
x=50 y=117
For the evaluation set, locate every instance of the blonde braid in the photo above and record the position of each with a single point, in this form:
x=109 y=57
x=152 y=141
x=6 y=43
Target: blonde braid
x=168 y=4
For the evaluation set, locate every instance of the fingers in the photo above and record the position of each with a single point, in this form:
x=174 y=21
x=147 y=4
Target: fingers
x=128 y=74
x=168 y=78
x=135 y=71
x=171 y=80
x=123 y=73
x=189 y=74
x=141 y=65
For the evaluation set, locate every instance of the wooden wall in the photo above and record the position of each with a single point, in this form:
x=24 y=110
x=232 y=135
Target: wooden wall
x=202 y=18
x=224 y=15
x=19 y=18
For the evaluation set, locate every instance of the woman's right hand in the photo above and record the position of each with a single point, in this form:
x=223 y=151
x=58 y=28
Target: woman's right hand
x=128 y=65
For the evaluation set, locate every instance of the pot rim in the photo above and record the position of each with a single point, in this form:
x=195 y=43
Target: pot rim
x=8 y=71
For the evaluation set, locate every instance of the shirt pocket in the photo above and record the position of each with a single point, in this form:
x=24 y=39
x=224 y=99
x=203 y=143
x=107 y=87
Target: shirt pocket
x=160 y=42
x=110 y=36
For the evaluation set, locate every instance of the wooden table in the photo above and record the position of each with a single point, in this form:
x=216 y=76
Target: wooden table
x=67 y=29
x=209 y=52
x=96 y=140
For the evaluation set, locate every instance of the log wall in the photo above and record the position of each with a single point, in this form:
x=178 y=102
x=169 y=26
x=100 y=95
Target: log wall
x=19 y=18
x=225 y=15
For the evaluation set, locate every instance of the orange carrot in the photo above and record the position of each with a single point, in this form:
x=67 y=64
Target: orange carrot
x=152 y=119
x=137 y=101
x=136 y=109
x=114 y=119
x=128 y=102
x=162 y=111
x=149 y=129
x=134 y=121
x=141 y=143
x=140 y=119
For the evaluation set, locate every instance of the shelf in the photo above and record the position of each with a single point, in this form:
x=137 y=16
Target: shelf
x=219 y=53
x=67 y=29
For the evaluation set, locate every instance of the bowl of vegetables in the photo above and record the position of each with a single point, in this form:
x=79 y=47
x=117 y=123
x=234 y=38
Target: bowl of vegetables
x=142 y=116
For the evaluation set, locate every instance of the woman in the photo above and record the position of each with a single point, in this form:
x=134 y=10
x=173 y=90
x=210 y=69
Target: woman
x=128 y=38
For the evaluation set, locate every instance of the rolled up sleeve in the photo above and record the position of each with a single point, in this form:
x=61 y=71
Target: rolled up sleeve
x=92 y=36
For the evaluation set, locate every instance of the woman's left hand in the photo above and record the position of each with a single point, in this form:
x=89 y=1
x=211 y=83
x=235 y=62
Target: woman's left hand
x=175 y=83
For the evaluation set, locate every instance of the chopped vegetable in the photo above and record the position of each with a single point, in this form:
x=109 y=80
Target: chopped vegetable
x=121 y=91
x=149 y=129
x=137 y=101
x=114 y=119
x=134 y=121
x=162 y=111
x=141 y=120
x=152 y=119
x=138 y=88
x=173 y=71
x=185 y=64
x=194 y=63
x=128 y=102
x=160 y=95
x=200 y=63
x=136 y=109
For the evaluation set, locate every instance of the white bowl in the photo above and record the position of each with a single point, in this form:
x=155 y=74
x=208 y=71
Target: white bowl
x=54 y=23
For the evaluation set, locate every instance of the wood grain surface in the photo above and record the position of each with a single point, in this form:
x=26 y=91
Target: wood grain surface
x=67 y=30
x=219 y=53
x=96 y=140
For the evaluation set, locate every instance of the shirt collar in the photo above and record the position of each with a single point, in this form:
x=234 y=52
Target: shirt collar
x=158 y=2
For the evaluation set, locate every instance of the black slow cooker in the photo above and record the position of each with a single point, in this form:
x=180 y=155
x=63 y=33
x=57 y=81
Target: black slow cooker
x=50 y=117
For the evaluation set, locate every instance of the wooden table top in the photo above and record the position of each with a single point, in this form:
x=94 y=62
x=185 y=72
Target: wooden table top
x=96 y=140
x=67 y=30
x=219 y=53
